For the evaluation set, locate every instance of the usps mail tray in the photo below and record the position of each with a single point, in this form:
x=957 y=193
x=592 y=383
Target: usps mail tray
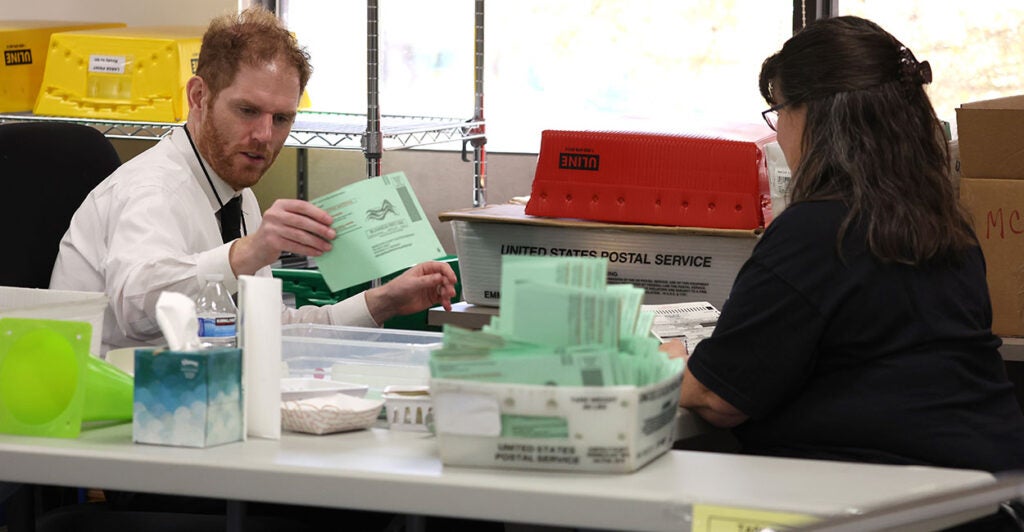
x=671 y=264
x=613 y=429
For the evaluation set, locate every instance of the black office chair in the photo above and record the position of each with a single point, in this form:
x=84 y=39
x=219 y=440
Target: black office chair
x=46 y=170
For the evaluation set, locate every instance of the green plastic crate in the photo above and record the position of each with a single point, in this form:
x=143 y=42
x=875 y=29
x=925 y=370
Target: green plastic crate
x=309 y=288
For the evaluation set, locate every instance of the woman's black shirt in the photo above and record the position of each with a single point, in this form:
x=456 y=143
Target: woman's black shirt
x=852 y=359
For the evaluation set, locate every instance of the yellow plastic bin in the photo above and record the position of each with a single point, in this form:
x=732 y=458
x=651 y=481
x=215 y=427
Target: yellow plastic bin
x=24 y=43
x=130 y=73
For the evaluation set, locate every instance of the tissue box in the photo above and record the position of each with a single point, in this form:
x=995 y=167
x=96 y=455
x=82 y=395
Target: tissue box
x=188 y=398
x=613 y=429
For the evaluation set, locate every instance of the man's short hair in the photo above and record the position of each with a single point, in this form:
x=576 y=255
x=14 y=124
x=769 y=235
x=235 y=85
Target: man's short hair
x=254 y=37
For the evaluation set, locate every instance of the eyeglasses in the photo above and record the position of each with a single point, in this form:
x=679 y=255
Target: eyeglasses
x=771 y=115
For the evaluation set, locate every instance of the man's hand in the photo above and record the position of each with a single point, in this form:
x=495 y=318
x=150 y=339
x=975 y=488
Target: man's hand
x=419 y=288
x=291 y=225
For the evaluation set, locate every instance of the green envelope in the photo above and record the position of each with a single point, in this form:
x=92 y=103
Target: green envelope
x=381 y=228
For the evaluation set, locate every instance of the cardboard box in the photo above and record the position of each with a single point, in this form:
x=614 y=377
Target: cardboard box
x=997 y=206
x=188 y=399
x=714 y=179
x=991 y=138
x=614 y=429
x=954 y=164
x=131 y=73
x=24 y=44
x=671 y=264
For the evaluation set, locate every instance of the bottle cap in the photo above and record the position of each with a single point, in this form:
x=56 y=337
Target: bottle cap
x=212 y=277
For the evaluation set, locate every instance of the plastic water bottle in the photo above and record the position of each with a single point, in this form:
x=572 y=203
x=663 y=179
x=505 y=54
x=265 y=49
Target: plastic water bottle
x=217 y=313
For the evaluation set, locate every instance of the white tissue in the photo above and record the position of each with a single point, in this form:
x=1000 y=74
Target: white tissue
x=176 y=316
x=259 y=336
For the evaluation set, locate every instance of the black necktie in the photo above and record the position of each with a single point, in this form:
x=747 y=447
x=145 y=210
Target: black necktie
x=231 y=219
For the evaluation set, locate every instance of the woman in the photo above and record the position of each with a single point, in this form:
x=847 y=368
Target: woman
x=859 y=329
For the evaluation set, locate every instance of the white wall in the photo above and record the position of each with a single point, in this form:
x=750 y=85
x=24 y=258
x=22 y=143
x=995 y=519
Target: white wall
x=441 y=180
x=131 y=12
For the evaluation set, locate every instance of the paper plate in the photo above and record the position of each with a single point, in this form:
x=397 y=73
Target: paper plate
x=326 y=415
x=294 y=389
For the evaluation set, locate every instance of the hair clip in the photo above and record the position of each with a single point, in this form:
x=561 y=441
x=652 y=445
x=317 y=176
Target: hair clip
x=912 y=71
x=925 y=71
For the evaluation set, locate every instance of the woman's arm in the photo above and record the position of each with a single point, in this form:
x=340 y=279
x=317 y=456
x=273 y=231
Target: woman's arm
x=696 y=397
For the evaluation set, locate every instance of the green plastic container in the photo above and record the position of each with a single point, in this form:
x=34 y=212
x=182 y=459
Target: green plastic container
x=309 y=288
x=50 y=385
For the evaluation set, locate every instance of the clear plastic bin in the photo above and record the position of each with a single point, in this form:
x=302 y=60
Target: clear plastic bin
x=375 y=357
x=50 y=304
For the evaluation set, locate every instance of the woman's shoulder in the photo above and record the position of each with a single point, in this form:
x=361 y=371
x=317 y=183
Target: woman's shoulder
x=824 y=208
x=810 y=218
x=805 y=232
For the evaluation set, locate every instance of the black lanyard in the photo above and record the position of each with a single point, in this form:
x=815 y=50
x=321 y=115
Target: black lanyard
x=209 y=180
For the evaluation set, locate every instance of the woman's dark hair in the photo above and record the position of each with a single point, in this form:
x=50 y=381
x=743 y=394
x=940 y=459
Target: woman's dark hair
x=253 y=37
x=871 y=138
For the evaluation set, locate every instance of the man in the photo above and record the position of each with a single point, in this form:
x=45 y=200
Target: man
x=156 y=223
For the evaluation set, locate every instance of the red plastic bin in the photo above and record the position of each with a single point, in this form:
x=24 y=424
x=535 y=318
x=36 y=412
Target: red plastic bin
x=681 y=180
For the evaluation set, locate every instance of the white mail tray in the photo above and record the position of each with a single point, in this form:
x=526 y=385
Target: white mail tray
x=616 y=429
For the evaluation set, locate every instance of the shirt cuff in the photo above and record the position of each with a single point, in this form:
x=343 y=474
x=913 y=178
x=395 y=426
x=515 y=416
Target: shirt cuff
x=353 y=312
x=216 y=261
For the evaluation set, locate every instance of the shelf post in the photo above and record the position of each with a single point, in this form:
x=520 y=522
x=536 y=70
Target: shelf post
x=301 y=174
x=373 y=140
x=479 y=153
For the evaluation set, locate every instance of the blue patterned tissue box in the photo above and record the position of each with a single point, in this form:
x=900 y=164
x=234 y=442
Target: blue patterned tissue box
x=188 y=398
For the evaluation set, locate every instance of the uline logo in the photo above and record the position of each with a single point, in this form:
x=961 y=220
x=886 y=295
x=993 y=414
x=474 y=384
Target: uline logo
x=194 y=64
x=578 y=161
x=18 y=57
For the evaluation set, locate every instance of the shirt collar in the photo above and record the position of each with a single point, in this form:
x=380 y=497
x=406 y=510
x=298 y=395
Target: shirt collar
x=224 y=190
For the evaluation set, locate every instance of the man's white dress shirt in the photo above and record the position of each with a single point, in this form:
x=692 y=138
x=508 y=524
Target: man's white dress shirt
x=152 y=226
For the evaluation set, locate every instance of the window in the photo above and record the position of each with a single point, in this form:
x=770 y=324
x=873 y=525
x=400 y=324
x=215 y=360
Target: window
x=622 y=64
x=570 y=64
x=973 y=47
